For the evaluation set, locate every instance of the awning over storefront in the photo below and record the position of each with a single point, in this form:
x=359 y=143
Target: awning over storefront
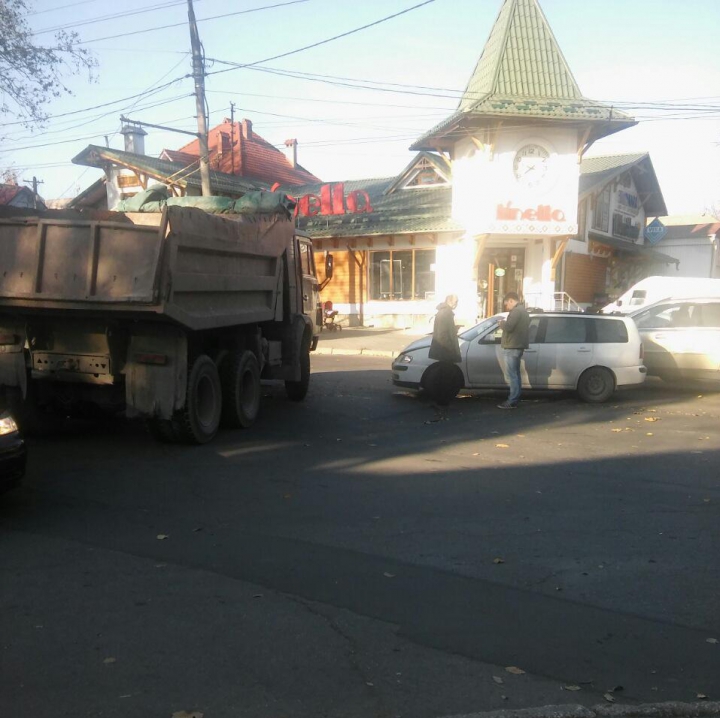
x=639 y=251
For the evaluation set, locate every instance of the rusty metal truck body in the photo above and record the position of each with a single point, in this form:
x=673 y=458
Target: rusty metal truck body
x=172 y=316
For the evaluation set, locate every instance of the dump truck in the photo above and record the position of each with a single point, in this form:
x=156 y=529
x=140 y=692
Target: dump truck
x=172 y=316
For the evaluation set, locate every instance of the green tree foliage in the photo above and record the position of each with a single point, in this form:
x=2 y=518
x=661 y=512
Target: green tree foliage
x=31 y=75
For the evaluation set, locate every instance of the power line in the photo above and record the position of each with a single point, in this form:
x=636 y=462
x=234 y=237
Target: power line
x=329 y=39
x=61 y=7
x=183 y=24
x=105 y=18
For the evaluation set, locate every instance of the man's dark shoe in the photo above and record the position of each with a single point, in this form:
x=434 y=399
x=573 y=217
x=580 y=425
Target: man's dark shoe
x=507 y=405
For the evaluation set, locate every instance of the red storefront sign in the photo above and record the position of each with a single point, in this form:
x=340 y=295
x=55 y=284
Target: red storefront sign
x=541 y=213
x=333 y=200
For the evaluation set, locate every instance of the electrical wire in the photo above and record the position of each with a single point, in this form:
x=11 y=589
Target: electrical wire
x=327 y=40
x=183 y=24
x=106 y=18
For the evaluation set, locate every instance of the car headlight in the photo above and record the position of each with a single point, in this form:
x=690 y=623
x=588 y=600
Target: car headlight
x=405 y=359
x=7 y=425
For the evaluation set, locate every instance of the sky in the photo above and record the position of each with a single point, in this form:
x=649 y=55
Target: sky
x=356 y=103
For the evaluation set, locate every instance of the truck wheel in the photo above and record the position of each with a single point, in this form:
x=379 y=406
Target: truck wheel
x=297 y=390
x=161 y=430
x=241 y=392
x=596 y=385
x=198 y=421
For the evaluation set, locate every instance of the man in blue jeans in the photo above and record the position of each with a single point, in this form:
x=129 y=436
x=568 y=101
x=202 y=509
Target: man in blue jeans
x=514 y=343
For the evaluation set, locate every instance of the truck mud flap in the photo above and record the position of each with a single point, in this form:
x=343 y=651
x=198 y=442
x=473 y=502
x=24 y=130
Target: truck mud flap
x=156 y=372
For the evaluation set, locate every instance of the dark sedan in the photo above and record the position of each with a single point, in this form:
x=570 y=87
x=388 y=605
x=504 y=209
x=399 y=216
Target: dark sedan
x=12 y=453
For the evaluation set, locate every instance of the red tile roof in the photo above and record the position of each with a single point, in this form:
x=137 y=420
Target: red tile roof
x=240 y=151
x=8 y=192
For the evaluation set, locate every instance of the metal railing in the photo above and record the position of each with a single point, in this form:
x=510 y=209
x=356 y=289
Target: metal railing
x=565 y=303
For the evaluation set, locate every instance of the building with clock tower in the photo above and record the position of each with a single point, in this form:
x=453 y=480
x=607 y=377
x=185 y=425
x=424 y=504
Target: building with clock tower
x=515 y=144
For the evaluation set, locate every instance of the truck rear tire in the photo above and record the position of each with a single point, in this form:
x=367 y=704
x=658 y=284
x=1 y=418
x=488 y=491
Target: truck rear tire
x=162 y=430
x=297 y=390
x=199 y=420
x=241 y=391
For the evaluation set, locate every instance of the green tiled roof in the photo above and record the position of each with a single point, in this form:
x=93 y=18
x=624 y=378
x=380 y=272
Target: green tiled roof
x=163 y=170
x=596 y=172
x=522 y=73
x=521 y=59
x=406 y=211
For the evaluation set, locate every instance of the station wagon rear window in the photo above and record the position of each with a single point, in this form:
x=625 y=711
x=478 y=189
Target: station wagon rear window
x=610 y=331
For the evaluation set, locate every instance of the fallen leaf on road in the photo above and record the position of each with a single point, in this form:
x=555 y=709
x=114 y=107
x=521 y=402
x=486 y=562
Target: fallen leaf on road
x=652 y=418
x=287 y=496
x=162 y=537
x=389 y=575
x=502 y=446
x=498 y=560
x=515 y=670
x=707 y=501
x=609 y=697
x=617 y=430
x=711 y=640
x=185 y=714
x=702 y=696
x=649 y=433
x=498 y=680
x=108 y=661
x=572 y=688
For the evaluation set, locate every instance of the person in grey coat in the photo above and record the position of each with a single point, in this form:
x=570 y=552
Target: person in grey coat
x=445 y=349
x=514 y=343
x=445 y=346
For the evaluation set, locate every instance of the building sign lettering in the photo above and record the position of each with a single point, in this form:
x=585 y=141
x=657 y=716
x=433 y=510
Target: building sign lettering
x=541 y=213
x=628 y=202
x=332 y=200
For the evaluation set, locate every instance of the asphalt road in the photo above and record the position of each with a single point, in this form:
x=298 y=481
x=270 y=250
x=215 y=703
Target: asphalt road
x=354 y=556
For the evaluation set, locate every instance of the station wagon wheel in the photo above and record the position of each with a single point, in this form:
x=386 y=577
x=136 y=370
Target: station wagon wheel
x=596 y=385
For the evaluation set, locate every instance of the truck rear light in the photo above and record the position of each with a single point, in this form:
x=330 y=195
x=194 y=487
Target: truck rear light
x=159 y=359
x=8 y=338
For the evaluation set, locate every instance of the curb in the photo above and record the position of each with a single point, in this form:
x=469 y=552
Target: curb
x=704 y=709
x=357 y=352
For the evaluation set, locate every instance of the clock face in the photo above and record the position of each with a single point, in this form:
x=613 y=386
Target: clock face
x=531 y=165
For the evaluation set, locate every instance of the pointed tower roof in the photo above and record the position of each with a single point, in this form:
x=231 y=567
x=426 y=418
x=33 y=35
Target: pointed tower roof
x=523 y=73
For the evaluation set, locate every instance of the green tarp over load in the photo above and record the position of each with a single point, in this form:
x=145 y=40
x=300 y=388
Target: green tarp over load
x=156 y=197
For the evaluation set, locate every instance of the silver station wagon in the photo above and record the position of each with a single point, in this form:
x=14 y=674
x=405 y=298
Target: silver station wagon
x=590 y=354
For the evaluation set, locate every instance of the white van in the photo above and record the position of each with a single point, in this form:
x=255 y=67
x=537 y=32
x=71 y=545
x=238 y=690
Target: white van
x=653 y=289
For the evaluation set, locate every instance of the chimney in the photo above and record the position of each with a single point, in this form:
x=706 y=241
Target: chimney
x=247 y=129
x=134 y=139
x=291 y=151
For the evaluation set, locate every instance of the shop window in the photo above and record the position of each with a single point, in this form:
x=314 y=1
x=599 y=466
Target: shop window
x=601 y=216
x=404 y=274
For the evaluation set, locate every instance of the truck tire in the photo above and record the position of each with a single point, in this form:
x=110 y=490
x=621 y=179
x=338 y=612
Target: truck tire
x=199 y=420
x=297 y=390
x=596 y=385
x=241 y=391
x=162 y=430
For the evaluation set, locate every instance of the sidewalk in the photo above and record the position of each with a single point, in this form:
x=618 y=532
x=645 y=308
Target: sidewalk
x=368 y=341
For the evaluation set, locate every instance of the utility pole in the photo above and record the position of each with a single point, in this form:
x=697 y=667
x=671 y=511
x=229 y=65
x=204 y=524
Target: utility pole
x=35 y=182
x=232 y=137
x=199 y=77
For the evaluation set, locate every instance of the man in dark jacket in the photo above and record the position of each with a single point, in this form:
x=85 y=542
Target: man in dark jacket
x=445 y=346
x=445 y=349
x=514 y=343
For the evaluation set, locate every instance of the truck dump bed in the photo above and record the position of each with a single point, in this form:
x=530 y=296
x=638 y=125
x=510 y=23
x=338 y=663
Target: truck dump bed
x=184 y=265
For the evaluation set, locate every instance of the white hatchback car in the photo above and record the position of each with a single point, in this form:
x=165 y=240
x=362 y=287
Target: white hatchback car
x=591 y=354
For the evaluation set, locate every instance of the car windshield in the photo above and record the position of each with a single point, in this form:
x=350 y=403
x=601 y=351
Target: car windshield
x=478 y=329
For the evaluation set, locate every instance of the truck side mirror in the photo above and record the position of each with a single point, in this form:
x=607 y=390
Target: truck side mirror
x=329 y=266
